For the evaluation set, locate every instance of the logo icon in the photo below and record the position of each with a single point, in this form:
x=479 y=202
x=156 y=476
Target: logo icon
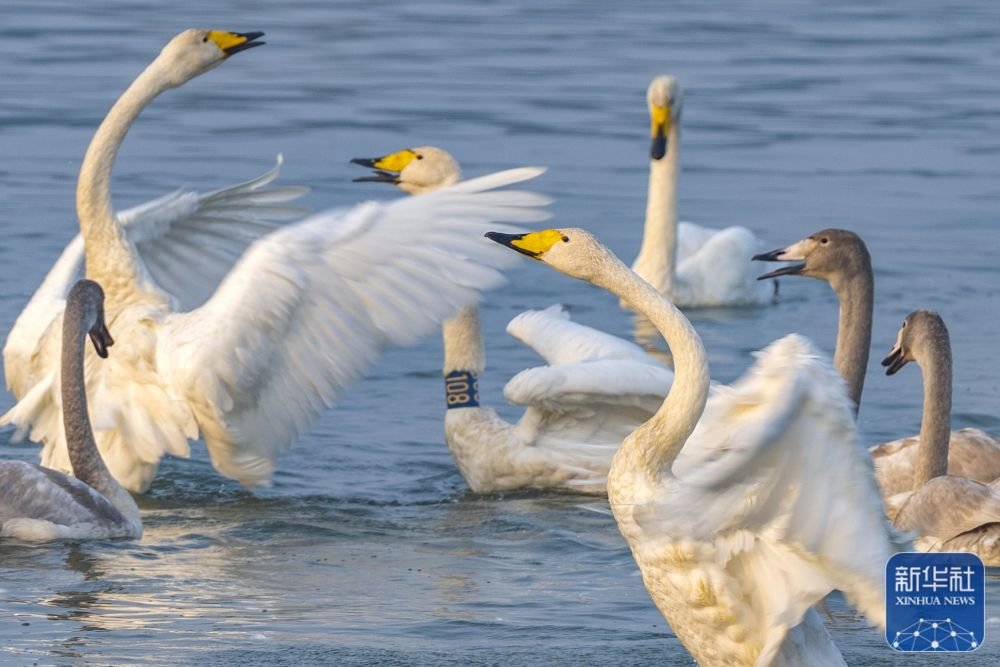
x=935 y=602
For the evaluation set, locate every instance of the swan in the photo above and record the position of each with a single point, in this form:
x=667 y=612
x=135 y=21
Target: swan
x=841 y=258
x=594 y=391
x=303 y=312
x=743 y=509
x=37 y=503
x=693 y=266
x=187 y=240
x=948 y=512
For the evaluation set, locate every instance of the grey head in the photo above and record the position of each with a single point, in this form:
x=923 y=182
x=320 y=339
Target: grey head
x=85 y=303
x=922 y=334
x=413 y=170
x=663 y=97
x=831 y=255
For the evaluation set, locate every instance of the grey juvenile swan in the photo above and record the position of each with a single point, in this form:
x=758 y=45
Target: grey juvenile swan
x=949 y=512
x=840 y=258
x=37 y=503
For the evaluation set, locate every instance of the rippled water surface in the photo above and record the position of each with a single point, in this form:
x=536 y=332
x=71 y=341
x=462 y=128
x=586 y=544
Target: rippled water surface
x=881 y=117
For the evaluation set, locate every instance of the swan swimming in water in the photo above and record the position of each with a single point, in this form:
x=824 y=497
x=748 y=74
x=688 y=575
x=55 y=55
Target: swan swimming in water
x=746 y=508
x=596 y=389
x=37 y=503
x=949 y=512
x=305 y=310
x=841 y=258
x=693 y=266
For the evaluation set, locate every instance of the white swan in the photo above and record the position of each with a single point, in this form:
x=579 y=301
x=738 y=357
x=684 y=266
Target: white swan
x=841 y=258
x=37 y=503
x=693 y=266
x=305 y=310
x=596 y=389
x=741 y=524
x=187 y=241
x=949 y=512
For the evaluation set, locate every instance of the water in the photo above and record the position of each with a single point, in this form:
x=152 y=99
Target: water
x=367 y=549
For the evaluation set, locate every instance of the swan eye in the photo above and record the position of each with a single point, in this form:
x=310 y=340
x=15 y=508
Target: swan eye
x=420 y=157
x=824 y=240
x=565 y=239
x=205 y=38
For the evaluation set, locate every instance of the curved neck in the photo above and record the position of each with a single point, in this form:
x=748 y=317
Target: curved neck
x=935 y=425
x=110 y=258
x=653 y=446
x=854 y=329
x=657 y=257
x=88 y=466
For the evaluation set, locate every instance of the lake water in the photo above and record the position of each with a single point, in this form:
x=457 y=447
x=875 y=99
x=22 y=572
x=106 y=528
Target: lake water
x=880 y=117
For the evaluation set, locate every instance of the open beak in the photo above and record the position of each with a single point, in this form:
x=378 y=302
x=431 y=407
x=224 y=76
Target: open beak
x=895 y=360
x=101 y=338
x=380 y=176
x=508 y=240
x=660 y=120
x=780 y=255
x=234 y=42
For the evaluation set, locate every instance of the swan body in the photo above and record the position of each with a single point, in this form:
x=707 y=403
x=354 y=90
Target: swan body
x=841 y=258
x=746 y=507
x=38 y=503
x=948 y=512
x=594 y=391
x=693 y=266
x=300 y=316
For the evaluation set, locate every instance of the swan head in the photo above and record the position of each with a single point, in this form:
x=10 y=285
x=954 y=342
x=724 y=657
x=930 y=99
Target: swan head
x=921 y=332
x=575 y=252
x=195 y=51
x=830 y=255
x=664 y=100
x=413 y=170
x=86 y=301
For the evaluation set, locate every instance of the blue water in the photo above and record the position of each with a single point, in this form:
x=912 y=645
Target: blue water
x=880 y=117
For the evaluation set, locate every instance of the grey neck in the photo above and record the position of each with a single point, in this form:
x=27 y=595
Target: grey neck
x=854 y=330
x=88 y=466
x=935 y=425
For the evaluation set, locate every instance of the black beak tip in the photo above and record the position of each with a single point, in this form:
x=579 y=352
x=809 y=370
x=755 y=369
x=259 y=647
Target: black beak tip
x=364 y=162
x=659 y=147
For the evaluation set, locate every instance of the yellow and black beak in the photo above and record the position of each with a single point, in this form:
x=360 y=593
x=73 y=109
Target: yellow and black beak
x=532 y=244
x=378 y=177
x=387 y=167
x=234 y=42
x=659 y=127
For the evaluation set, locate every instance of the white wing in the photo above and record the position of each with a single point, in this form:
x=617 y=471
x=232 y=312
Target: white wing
x=780 y=485
x=559 y=340
x=187 y=240
x=586 y=409
x=311 y=306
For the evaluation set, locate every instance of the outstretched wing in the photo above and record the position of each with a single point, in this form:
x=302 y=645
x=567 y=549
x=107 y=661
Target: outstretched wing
x=557 y=339
x=785 y=491
x=311 y=306
x=187 y=240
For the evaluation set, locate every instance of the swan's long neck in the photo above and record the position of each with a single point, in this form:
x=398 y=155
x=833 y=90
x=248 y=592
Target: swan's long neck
x=854 y=330
x=110 y=257
x=657 y=257
x=653 y=447
x=88 y=466
x=464 y=358
x=935 y=425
